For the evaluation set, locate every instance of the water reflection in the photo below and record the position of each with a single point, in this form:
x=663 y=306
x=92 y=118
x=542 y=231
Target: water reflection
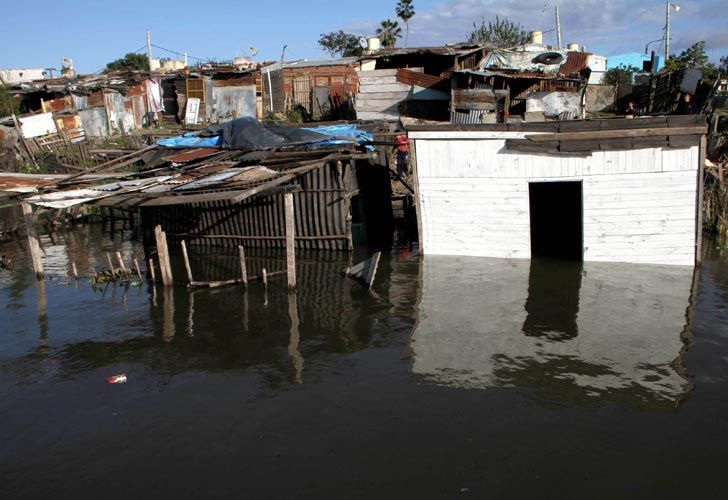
x=561 y=329
x=553 y=299
x=164 y=331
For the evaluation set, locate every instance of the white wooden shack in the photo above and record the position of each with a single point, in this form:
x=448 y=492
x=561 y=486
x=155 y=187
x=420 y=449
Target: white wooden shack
x=614 y=190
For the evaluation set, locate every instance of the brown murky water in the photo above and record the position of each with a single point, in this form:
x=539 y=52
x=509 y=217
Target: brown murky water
x=457 y=377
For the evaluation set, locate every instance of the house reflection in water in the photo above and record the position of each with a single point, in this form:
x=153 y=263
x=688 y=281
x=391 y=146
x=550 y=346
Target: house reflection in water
x=565 y=330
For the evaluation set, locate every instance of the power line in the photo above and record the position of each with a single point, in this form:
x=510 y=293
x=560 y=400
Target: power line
x=181 y=54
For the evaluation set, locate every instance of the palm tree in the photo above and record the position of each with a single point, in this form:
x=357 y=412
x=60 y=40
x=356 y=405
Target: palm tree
x=388 y=32
x=405 y=11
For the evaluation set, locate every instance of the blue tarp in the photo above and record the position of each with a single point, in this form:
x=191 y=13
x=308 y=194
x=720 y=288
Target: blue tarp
x=249 y=133
x=191 y=139
x=346 y=130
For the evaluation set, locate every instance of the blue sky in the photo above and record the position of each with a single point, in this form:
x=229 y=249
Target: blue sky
x=42 y=32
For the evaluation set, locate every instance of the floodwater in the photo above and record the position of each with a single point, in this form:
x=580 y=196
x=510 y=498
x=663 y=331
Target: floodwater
x=455 y=378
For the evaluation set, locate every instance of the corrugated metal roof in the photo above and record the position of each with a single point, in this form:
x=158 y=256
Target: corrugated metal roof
x=446 y=50
x=418 y=78
x=195 y=154
x=575 y=63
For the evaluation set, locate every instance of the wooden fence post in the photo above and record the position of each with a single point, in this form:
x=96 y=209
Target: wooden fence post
x=243 y=270
x=163 y=253
x=290 y=241
x=33 y=242
x=187 y=262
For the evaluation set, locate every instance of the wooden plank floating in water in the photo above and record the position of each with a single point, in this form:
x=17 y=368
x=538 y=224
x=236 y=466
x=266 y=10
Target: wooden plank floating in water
x=365 y=271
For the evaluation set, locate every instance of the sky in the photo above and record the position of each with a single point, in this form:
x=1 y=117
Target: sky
x=41 y=33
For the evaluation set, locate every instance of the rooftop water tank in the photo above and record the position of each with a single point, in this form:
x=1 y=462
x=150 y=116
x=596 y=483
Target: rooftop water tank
x=373 y=44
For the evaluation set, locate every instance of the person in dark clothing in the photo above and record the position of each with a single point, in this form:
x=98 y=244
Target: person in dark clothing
x=631 y=110
x=686 y=106
x=402 y=154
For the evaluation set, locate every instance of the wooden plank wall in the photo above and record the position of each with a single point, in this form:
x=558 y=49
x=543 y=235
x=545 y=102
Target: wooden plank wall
x=380 y=95
x=639 y=205
x=321 y=208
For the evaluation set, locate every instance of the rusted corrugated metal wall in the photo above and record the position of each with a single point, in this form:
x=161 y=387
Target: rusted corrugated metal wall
x=321 y=216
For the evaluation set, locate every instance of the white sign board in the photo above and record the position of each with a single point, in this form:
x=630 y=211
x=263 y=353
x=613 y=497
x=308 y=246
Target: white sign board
x=37 y=125
x=192 y=111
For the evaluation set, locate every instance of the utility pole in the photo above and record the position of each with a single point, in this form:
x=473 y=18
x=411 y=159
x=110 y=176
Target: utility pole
x=283 y=53
x=149 y=50
x=667 y=26
x=558 y=29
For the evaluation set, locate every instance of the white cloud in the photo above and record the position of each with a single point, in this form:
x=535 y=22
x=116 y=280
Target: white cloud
x=604 y=27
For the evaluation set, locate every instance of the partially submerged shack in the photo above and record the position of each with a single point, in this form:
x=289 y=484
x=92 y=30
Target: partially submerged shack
x=232 y=193
x=617 y=190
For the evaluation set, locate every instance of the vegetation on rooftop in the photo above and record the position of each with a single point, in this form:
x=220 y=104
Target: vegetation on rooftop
x=501 y=33
x=339 y=43
x=130 y=62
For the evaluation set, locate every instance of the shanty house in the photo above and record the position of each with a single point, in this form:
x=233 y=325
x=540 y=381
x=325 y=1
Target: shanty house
x=322 y=89
x=411 y=82
x=617 y=190
x=531 y=82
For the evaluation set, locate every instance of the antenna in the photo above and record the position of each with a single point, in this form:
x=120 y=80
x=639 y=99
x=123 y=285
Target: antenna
x=363 y=43
x=253 y=51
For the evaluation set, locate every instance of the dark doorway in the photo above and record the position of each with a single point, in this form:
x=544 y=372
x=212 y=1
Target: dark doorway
x=556 y=219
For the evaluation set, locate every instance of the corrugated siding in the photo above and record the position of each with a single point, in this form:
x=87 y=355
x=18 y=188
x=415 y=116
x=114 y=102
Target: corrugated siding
x=321 y=210
x=639 y=205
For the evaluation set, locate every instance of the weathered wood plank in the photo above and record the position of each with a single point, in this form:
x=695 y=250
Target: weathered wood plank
x=33 y=241
x=290 y=243
x=605 y=134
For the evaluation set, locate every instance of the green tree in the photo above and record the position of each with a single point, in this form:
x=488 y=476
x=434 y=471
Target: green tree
x=693 y=57
x=9 y=105
x=501 y=33
x=621 y=75
x=129 y=62
x=340 y=43
x=388 y=32
x=405 y=11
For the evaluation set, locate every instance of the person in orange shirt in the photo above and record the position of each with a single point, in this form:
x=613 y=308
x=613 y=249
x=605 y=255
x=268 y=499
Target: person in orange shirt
x=402 y=154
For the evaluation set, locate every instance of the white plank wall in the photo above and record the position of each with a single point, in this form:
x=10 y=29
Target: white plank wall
x=639 y=206
x=380 y=94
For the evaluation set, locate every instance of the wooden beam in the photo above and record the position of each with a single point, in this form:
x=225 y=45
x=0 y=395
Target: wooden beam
x=33 y=242
x=243 y=268
x=232 y=196
x=257 y=238
x=606 y=134
x=121 y=264
x=163 y=253
x=104 y=166
x=701 y=195
x=187 y=262
x=290 y=242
